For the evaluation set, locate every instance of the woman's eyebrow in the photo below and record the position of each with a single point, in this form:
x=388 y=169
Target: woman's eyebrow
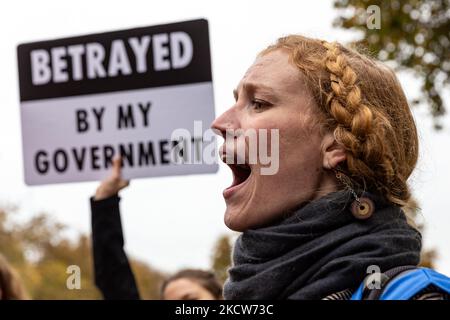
x=252 y=87
x=188 y=296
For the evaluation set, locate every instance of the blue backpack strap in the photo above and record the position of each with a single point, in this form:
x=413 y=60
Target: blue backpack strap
x=410 y=283
x=364 y=293
x=358 y=294
x=405 y=285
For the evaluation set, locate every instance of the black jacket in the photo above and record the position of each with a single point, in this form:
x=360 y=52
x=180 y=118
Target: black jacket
x=113 y=275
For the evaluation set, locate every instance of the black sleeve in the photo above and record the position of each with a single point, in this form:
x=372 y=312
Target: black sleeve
x=113 y=275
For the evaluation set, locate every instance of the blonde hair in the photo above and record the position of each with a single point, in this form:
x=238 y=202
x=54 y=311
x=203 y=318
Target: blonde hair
x=11 y=286
x=362 y=103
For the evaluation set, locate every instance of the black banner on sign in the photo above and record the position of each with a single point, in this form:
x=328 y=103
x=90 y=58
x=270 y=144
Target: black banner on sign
x=163 y=55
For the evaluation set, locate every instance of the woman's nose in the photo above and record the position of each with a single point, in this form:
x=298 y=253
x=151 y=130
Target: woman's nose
x=226 y=121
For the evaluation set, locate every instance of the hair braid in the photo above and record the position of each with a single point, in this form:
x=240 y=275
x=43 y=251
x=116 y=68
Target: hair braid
x=355 y=123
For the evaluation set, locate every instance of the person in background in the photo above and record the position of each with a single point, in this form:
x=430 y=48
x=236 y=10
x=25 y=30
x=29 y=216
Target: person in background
x=192 y=284
x=11 y=286
x=113 y=274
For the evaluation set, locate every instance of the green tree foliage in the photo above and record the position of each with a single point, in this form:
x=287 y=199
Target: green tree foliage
x=41 y=252
x=221 y=257
x=414 y=34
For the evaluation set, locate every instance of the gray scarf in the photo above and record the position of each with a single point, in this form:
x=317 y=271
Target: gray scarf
x=320 y=249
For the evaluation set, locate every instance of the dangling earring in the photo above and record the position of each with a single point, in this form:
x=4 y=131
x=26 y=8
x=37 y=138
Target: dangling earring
x=362 y=207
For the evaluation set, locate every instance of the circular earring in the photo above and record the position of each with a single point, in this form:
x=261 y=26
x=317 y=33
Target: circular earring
x=362 y=208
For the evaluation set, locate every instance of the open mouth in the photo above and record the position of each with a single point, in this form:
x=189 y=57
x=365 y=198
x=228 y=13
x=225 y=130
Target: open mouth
x=241 y=173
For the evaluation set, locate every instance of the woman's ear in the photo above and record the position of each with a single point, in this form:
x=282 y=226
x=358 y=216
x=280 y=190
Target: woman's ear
x=333 y=152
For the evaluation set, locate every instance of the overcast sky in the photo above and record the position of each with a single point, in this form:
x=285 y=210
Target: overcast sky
x=173 y=222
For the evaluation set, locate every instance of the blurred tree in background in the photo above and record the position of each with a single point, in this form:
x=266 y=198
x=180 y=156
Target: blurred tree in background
x=148 y=280
x=221 y=257
x=40 y=253
x=414 y=34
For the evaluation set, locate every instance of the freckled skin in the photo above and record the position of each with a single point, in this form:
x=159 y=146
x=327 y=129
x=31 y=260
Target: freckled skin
x=302 y=148
x=186 y=289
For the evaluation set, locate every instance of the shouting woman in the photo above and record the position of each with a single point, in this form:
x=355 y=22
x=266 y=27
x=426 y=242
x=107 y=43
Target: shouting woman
x=332 y=211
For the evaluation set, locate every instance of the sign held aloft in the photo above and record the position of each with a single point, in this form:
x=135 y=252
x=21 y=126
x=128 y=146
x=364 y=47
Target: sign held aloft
x=87 y=99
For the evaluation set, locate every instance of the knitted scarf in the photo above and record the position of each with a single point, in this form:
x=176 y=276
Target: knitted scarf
x=320 y=248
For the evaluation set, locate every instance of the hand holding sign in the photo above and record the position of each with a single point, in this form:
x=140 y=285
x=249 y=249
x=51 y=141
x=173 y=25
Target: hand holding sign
x=112 y=184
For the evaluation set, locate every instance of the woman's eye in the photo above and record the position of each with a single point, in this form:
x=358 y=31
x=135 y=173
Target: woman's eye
x=259 y=105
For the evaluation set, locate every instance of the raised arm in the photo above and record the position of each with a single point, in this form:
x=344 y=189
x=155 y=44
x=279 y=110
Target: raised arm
x=113 y=275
